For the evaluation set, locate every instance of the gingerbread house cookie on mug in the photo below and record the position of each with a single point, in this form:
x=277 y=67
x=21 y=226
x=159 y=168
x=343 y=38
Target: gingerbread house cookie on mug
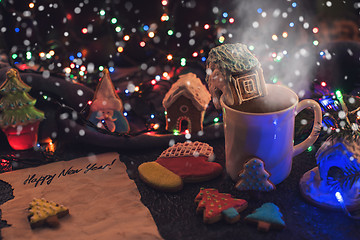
x=235 y=73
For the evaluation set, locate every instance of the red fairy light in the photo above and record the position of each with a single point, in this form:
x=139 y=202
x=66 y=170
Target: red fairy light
x=5 y=165
x=68 y=16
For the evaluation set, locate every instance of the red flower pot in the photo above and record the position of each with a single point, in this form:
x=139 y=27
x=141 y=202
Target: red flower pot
x=22 y=137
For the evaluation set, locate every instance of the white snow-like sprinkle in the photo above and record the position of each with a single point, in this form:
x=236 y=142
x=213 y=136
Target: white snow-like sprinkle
x=80 y=92
x=82 y=132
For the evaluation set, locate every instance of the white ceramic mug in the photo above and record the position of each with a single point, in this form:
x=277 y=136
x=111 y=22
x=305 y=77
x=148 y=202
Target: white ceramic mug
x=264 y=128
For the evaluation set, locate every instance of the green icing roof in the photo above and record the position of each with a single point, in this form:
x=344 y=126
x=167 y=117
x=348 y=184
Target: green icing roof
x=235 y=58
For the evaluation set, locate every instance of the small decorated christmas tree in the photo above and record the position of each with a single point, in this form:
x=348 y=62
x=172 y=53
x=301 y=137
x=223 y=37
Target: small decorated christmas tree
x=19 y=118
x=254 y=177
x=267 y=216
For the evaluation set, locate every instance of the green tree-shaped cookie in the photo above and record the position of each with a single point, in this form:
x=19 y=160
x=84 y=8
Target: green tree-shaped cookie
x=268 y=215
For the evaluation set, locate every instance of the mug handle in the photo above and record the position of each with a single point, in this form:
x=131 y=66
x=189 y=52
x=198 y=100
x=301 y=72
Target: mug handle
x=299 y=148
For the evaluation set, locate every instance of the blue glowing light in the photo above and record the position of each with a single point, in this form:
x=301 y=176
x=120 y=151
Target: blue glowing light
x=291 y=24
x=125 y=114
x=322 y=53
x=152 y=115
x=225 y=14
x=146 y=27
x=294 y=4
x=203 y=59
x=79 y=54
x=111 y=69
x=71 y=58
x=259 y=10
x=127 y=91
x=17 y=29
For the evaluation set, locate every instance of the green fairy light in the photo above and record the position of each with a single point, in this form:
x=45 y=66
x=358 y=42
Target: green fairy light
x=170 y=32
x=176 y=132
x=113 y=20
x=14 y=56
x=309 y=149
x=102 y=12
x=101 y=68
x=223 y=20
x=183 y=62
x=28 y=55
x=277 y=59
x=216 y=120
x=274 y=79
x=118 y=29
x=338 y=94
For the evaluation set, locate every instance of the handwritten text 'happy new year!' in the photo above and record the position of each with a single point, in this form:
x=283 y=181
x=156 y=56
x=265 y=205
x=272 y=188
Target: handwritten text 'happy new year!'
x=41 y=179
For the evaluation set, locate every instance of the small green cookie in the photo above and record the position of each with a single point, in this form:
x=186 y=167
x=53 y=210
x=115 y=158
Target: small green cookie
x=159 y=177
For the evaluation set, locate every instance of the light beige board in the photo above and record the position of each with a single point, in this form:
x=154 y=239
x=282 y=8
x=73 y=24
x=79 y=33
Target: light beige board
x=103 y=202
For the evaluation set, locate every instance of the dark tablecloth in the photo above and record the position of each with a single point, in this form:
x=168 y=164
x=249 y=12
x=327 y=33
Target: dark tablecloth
x=175 y=216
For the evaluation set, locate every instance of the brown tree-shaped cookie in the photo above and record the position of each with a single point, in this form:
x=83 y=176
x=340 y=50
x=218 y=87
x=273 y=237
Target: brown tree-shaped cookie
x=254 y=177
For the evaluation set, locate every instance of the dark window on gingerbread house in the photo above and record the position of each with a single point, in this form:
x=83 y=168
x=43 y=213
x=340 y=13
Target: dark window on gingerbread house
x=249 y=86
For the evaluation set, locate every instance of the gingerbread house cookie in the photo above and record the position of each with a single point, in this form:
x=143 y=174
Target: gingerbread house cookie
x=185 y=104
x=233 y=71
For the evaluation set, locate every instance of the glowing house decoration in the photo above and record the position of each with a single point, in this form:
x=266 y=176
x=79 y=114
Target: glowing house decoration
x=338 y=171
x=19 y=119
x=185 y=104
